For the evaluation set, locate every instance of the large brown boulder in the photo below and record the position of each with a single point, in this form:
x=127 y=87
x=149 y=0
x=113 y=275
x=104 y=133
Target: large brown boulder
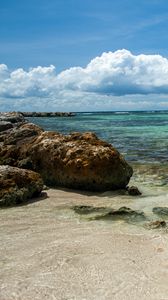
x=18 y=185
x=79 y=161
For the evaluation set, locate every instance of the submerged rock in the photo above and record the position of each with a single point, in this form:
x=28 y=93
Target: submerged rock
x=18 y=185
x=160 y=211
x=156 y=224
x=133 y=191
x=79 y=161
x=86 y=209
x=105 y=213
x=124 y=213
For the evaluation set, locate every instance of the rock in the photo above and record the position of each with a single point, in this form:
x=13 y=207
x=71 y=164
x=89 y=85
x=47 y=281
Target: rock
x=133 y=191
x=21 y=134
x=17 y=185
x=12 y=117
x=123 y=213
x=160 y=211
x=10 y=120
x=105 y=213
x=79 y=161
x=86 y=209
x=156 y=224
x=4 y=125
x=15 y=139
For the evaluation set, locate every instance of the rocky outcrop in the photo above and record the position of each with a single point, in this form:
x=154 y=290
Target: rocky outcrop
x=18 y=185
x=11 y=117
x=10 y=120
x=79 y=161
x=5 y=126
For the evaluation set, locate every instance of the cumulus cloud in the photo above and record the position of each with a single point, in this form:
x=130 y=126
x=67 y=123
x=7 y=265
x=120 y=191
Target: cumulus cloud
x=20 y=83
x=119 y=73
x=111 y=75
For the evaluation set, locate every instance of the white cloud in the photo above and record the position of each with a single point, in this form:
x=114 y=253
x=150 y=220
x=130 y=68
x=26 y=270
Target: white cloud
x=119 y=73
x=106 y=80
x=19 y=83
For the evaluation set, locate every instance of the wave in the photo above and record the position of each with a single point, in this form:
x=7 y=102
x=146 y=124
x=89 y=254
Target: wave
x=122 y=113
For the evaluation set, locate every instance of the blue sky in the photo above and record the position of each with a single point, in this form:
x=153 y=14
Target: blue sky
x=70 y=33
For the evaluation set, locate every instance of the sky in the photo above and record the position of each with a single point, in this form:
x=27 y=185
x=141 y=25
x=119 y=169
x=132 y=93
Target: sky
x=83 y=55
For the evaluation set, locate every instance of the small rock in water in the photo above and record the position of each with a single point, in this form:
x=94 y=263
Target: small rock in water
x=133 y=191
x=156 y=224
x=160 y=210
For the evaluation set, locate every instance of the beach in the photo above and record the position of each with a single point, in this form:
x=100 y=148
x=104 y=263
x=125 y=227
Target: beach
x=70 y=244
x=49 y=252
x=84 y=150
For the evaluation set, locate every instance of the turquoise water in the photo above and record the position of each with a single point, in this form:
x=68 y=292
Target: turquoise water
x=140 y=136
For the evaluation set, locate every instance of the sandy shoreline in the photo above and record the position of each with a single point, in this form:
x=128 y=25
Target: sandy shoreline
x=48 y=252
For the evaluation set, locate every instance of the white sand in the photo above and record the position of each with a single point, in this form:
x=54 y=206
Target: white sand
x=49 y=252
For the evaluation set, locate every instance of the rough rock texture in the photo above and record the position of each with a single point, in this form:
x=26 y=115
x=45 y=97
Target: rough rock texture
x=4 y=125
x=79 y=161
x=12 y=117
x=18 y=185
x=10 y=120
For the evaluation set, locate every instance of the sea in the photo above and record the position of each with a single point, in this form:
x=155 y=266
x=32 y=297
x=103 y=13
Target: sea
x=140 y=136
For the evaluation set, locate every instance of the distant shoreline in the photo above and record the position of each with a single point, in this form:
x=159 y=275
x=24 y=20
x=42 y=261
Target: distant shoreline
x=48 y=114
x=72 y=114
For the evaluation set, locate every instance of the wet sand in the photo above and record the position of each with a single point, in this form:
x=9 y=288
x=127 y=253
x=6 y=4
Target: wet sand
x=49 y=252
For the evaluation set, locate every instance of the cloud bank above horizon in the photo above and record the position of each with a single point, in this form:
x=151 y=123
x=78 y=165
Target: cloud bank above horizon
x=114 y=79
